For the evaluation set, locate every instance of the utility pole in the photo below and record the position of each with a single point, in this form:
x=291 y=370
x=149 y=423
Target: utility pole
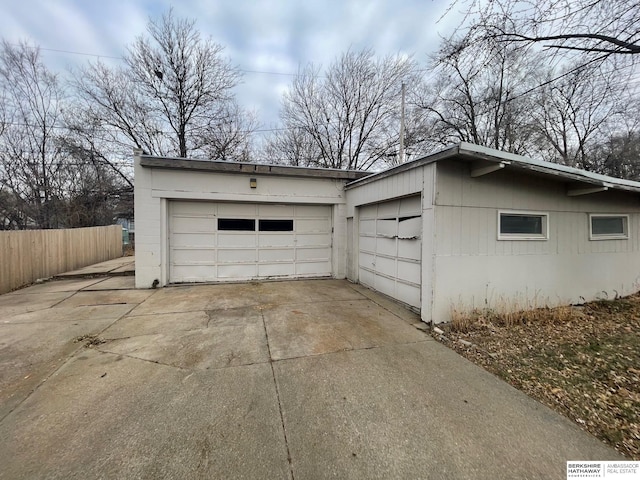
x=401 y=152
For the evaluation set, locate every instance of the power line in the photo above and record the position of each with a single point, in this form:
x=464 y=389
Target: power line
x=97 y=55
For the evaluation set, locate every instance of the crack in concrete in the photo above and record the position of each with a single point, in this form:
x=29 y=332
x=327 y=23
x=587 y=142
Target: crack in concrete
x=275 y=383
x=177 y=367
x=372 y=347
x=54 y=371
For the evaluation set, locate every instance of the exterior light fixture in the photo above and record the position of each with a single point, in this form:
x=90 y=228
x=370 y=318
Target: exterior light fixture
x=253 y=183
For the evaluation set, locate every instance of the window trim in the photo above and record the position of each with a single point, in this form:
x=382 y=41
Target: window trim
x=524 y=236
x=606 y=236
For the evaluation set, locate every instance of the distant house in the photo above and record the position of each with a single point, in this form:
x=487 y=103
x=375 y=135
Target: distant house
x=464 y=228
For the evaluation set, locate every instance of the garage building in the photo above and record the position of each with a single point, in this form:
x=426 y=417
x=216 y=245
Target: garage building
x=468 y=227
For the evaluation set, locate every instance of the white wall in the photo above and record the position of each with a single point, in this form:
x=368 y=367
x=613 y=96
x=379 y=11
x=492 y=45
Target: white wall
x=473 y=269
x=154 y=187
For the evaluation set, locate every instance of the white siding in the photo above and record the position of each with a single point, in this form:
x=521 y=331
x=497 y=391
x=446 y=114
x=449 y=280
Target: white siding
x=473 y=269
x=402 y=184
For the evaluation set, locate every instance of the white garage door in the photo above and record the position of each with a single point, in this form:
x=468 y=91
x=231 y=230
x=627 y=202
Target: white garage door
x=390 y=248
x=241 y=241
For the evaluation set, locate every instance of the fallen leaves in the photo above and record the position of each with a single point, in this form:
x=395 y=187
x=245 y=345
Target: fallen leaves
x=582 y=361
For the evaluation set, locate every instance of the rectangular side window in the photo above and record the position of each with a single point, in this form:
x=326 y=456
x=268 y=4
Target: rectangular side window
x=275 y=225
x=237 y=224
x=608 y=227
x=522 y=226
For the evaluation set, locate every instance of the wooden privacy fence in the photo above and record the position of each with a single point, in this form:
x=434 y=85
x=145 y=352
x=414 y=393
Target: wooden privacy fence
x=26 y=255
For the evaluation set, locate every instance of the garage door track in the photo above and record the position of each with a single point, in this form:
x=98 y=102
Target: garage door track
x=277 y=380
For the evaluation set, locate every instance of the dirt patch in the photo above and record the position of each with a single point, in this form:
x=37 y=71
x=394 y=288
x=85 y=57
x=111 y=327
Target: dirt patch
x=89 y=340
x=582 y=361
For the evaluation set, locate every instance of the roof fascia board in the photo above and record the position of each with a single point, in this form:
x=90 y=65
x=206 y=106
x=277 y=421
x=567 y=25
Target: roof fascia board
x=247 y=168
x=449 y=152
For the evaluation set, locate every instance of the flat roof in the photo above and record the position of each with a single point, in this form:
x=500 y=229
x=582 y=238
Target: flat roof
x=218 y=166
x=470 y=152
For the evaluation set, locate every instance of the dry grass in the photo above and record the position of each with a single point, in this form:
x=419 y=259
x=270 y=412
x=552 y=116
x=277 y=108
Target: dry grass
x=582 y=361
x=463 y=322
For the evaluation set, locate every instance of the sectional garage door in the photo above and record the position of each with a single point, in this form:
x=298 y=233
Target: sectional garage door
x=240 y=241
x=390 y=248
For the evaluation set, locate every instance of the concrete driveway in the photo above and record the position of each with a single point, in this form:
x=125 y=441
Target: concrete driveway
x=278 y=380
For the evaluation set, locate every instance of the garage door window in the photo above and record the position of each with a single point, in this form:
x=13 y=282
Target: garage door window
x=275 y=225
x=237 y=224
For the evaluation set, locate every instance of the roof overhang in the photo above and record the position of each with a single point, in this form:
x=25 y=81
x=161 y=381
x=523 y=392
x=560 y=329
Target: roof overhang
x=188 y=164
x=485 y=161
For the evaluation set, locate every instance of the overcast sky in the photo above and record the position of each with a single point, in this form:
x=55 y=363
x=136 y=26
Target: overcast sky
x=277 y=36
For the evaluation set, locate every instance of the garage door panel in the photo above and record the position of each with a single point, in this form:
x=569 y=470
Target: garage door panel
x=411 y=249
x=193 y=239
x=367 y=227
x=193 y=224
x=385 y=265
x=387 y=210
x=410 y=228
x=368 y=244
x=386 y=246
x=367 y=260
x=192 y=273
x=236 y=209
x=236 y=240
x=232 y=271
x=408 y=294
x=385 y=285
x=387 y=228
x=193 y=208
x=194 y=256
x=409 y=271
x=276 y=269
x=410 y=206
x=313 y=268
x=271 y=255
x=276 y=211
x=322 y=253
x=312 y=225
x=313 y=239
x=368 y=212
x=276 y=240
x=367 y=277
x=237 y=255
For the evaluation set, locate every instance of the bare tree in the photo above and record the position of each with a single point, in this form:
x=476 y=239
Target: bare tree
x=594 y=27
x=227 y=138
x=617 y=152
x=172 y=97
x=574 y=112
x=29 y=154
x=475 y=96
x=342 y=117
x=292 y=146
